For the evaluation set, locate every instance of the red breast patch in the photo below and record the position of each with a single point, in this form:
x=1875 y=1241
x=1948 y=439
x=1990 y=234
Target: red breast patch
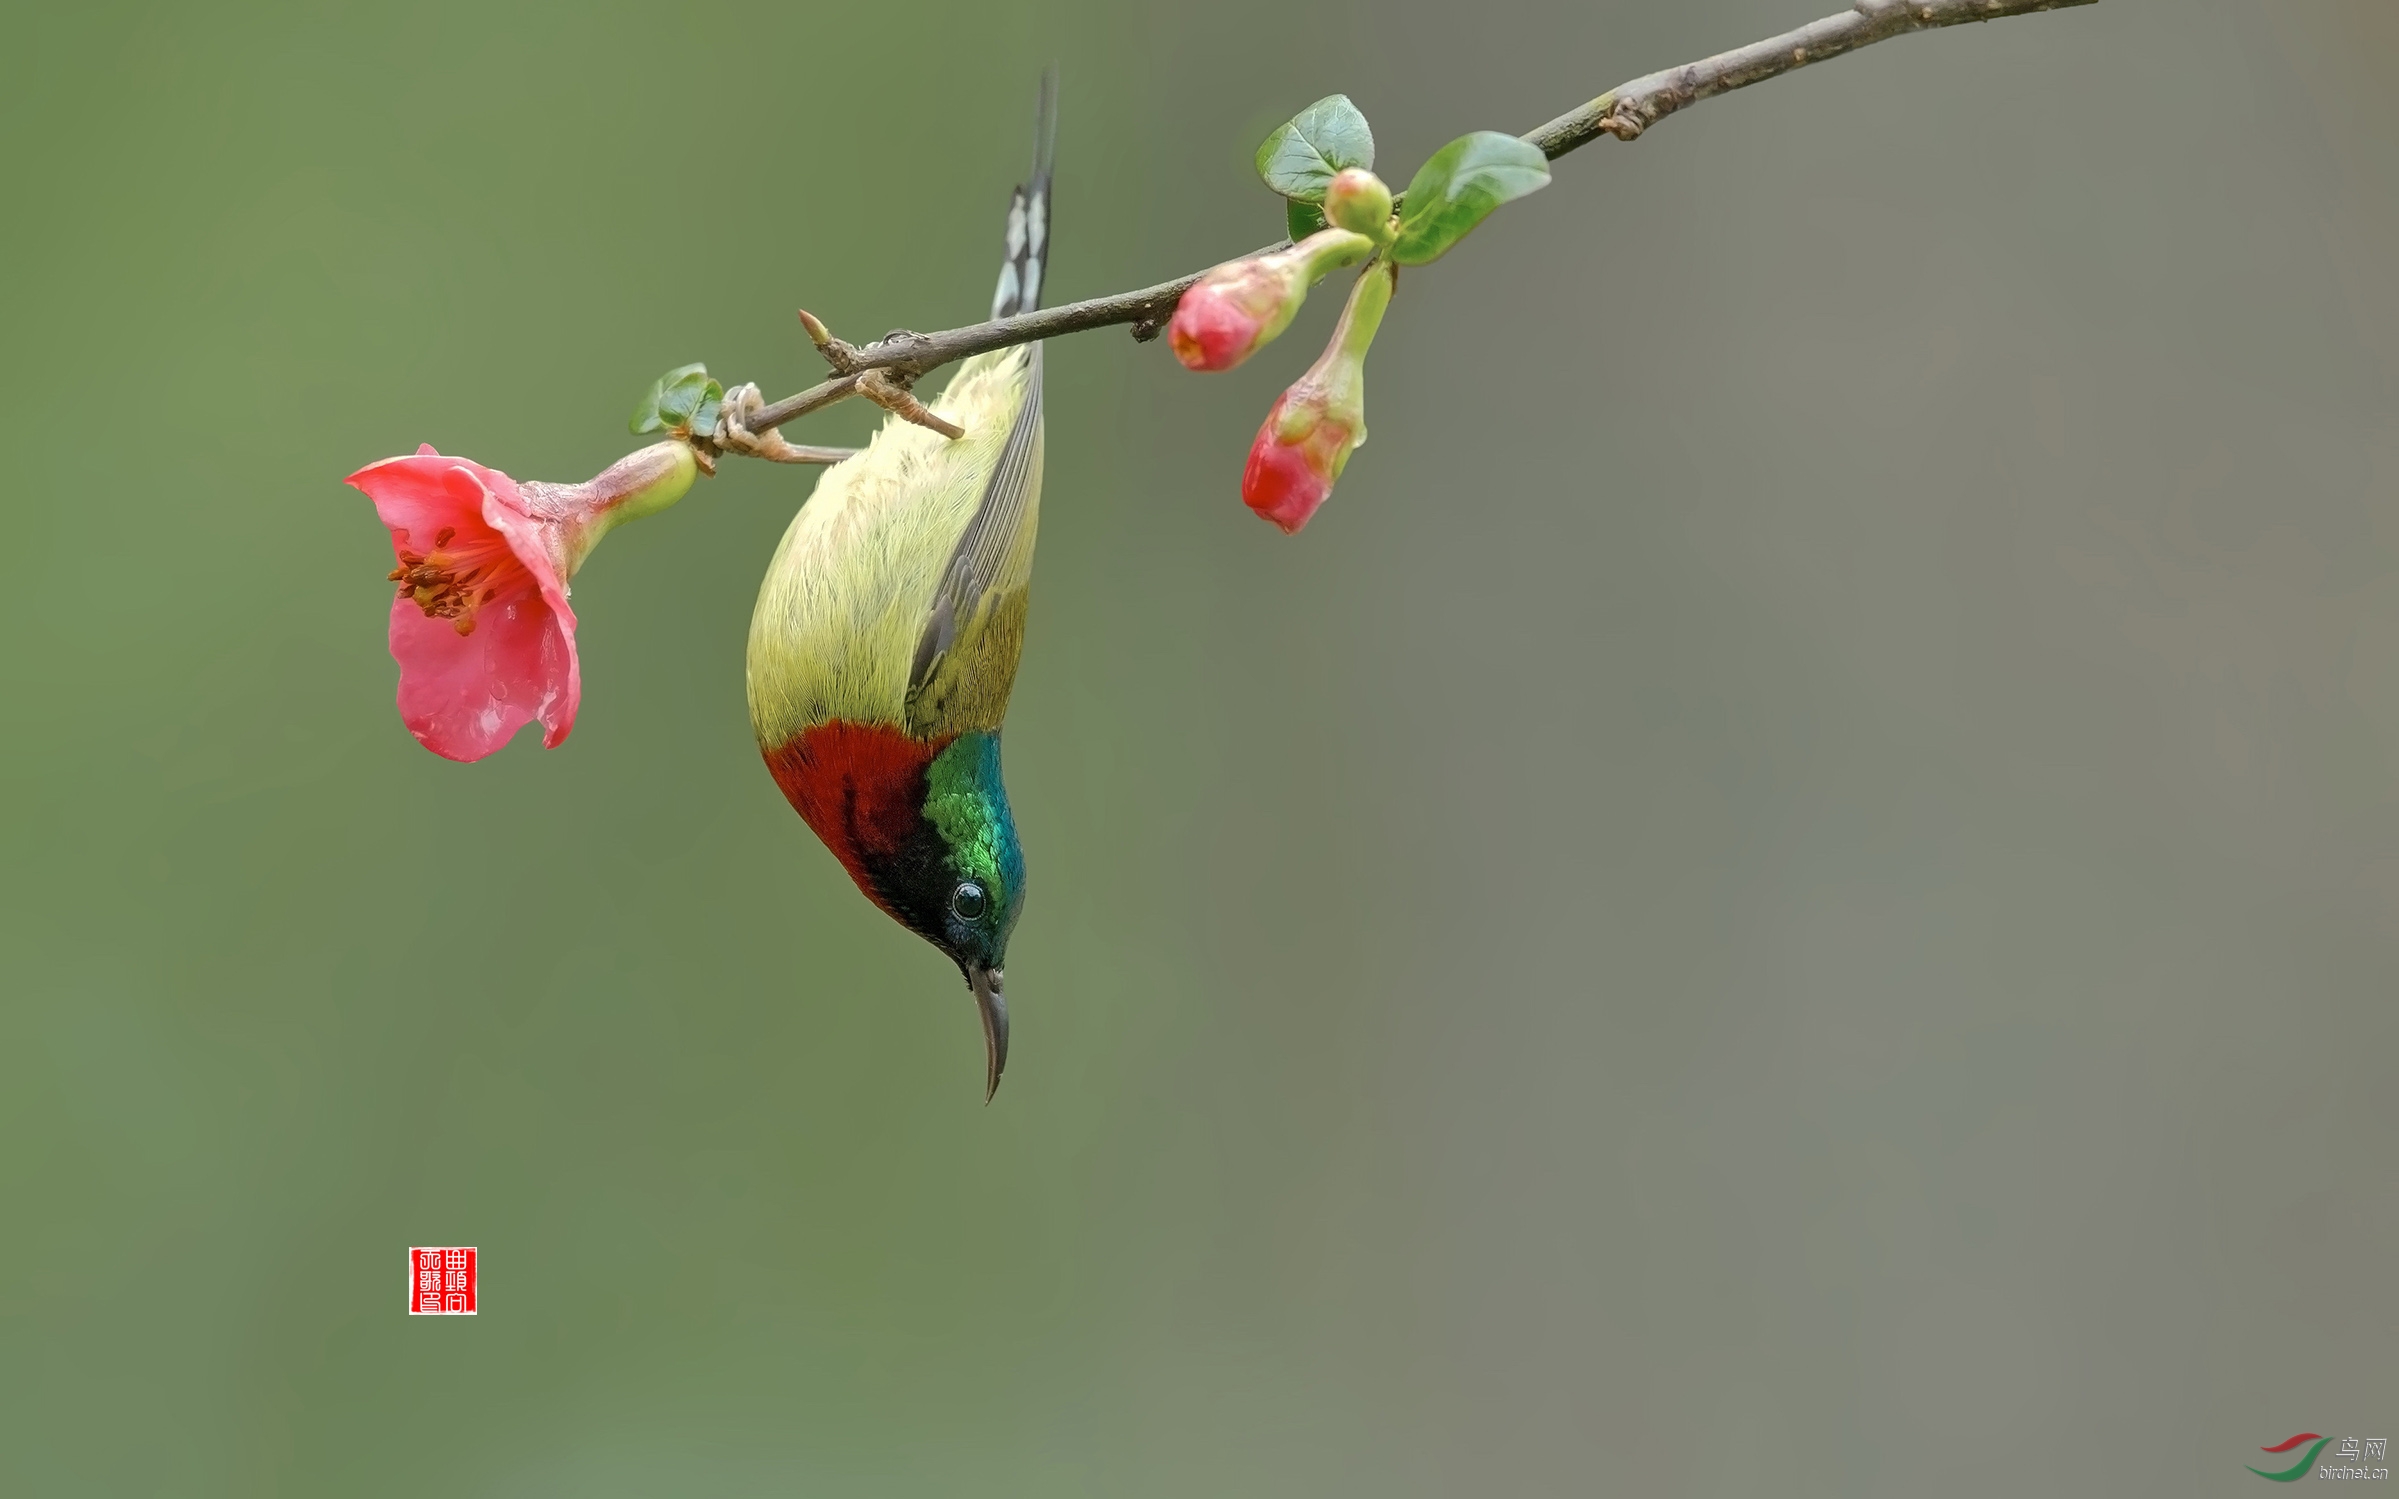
x=861 y=787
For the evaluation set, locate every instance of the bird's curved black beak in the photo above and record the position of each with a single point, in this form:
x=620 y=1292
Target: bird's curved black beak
x=985 y=982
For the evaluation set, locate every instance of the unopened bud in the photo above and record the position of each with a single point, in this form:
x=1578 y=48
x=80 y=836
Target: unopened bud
x=1238 y=308
x=1356 y=200
x=1315 y=425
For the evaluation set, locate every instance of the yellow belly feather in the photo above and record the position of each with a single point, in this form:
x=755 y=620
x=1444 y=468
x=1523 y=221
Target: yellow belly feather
x=852 y=584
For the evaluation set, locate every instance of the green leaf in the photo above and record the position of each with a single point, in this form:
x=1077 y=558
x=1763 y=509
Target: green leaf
x=1459 y=187
x=681 y=399
x=1306 y=150
x=1303 y=219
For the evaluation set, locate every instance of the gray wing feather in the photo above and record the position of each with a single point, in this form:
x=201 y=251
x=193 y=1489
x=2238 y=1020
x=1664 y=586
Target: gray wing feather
x=975 y=563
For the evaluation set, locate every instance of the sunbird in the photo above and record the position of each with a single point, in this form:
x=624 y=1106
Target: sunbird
x=887 y=634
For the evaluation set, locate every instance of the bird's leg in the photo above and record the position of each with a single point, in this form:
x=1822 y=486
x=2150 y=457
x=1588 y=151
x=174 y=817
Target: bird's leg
x=891 y=392
x=733 y=433
x=884 y=387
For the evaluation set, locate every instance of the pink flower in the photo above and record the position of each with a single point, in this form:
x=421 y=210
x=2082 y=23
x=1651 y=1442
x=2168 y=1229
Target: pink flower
x=481 y=626
x=1314 y=426
x=1239 y=307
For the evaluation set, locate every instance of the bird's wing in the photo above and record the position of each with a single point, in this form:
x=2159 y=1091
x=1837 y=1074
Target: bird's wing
x=966 y=656
x=965 y=659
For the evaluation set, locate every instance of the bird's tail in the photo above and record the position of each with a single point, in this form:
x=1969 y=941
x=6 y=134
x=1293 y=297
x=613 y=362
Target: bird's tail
x=1028 y=245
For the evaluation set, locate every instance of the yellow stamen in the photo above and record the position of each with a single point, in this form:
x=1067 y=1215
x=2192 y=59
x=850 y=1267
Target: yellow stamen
x=437 y=585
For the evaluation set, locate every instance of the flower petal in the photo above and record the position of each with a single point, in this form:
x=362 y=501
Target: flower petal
x=530 y=540
x=465 y=696
x=416 y=497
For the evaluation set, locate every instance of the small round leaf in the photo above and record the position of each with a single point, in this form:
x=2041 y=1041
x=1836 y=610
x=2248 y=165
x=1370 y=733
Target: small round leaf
x=1304 y=152
x=672 y=399
x=1459 y=187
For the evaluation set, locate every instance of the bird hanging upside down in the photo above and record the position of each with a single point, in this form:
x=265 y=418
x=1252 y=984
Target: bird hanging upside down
x=887 y=633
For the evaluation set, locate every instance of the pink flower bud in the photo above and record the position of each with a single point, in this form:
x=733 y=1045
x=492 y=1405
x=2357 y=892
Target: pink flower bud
x=1226 y=315
x=1316 y=424
x=1357 y=200
x=1298 y=454
x=1238 y=308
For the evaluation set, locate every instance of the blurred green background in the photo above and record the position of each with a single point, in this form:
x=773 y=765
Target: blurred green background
x=1795 y=888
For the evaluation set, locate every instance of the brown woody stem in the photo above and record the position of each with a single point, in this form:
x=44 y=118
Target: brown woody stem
x=1624 y=112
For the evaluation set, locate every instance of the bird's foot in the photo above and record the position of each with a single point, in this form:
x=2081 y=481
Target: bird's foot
x=733 y=433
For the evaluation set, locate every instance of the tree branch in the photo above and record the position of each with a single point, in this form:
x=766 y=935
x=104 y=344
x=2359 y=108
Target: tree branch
x=1625 y=112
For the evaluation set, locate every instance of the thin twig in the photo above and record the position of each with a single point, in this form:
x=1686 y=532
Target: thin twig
x=916 y=354
x=1624 y=112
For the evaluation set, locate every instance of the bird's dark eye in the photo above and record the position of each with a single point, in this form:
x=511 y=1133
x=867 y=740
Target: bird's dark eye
x=967 y=901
